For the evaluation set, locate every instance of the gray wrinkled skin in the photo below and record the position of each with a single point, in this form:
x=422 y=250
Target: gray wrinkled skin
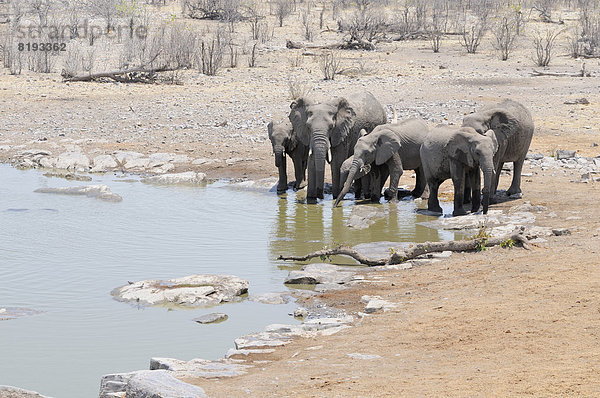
x=285 y=142
x=388 y=150
x=459 y=153
x=513 y=125
x=334 y=126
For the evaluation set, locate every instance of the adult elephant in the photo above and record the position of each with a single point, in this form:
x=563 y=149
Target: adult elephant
x=513 y=125
x=459 y=153
x=335 y=126
x=397 y=146
x=284 y=141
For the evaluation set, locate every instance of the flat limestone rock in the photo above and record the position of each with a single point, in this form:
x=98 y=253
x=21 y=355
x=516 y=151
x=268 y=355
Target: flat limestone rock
x=72 y=161
x=9 y=313
x=102 y=163
x=187 y=178
x=160 y=384
x=263 y=185
x=364 y=216
x=200 y=367
x=271 y=298
x=215 y=317
x=319 y=273
x=15 y=392
x=101 y=192
x=193 y=290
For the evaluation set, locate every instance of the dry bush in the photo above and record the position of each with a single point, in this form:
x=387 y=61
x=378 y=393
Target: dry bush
x=282 y=9
x=544 y=44
x=330 y=63
x=211 y=52
x=223 y=10
x=474 y=24
x=307 y=23
x=79 y=59
x=252 y=53
x=298 y=89
x=504 y=30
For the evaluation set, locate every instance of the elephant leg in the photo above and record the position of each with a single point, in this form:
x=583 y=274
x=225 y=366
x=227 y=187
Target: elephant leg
x=282 y=185
x=311 y=193
x=475 y=182
x=433 y=204
x=394 y=165
x=457 y=171
x=515 y=186
x=298 y=170
x=420 y=184
x=467 y=191
x=497 y=176
x=374 y=184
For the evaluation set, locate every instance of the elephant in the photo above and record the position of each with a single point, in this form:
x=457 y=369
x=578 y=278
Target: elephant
x=368 y=180
x=285 y=141
x=459 y=153
x=513 y=125
x=397 y=146
x=335 y=126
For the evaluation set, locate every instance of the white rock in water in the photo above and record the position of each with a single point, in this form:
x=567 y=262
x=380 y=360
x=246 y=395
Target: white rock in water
x=215 y=317
x=72 y=161
x=103 y=163
x=14 y=392
x=187 y=178
x=190 y=290
x=101 y=192
x=265 y=184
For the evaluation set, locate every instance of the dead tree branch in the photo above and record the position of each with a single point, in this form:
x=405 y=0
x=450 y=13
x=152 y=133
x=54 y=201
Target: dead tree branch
x=128 y=75
x=516 y=237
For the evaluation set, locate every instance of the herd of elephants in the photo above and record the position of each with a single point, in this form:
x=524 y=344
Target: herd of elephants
x=363 y=149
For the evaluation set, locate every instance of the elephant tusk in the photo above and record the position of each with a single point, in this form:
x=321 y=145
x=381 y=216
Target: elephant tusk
x=328 y=156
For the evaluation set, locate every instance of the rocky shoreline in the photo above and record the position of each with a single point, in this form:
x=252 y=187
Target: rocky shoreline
x=163 y=376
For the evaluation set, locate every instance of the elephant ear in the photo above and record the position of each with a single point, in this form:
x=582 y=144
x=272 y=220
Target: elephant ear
x=344 y=120
x=459 y=149
x=492 y=136
x=362 y=133
x=298 y=119
x=270 y=130
x=501 y=122
x=387 y=145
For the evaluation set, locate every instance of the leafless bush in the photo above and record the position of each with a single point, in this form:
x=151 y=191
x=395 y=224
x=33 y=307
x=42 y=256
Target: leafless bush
x=282 y=9
x=12 y=58
x=474 y=24
x=79 y=59
x=543 y=42
x=307 y=23
x=330 y=63
x=295 y=59
x=212 y=49
x=298 y=89
x=504 y=30
x=364 y=25
x=587 y=37
x=544 y=7
x=233 y=54
x=252 y=53
x=107 y=9
x=224 y=10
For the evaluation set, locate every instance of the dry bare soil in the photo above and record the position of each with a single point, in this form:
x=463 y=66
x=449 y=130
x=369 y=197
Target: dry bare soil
x=503 y=322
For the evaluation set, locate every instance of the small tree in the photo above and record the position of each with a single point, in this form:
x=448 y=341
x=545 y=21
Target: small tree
x=543 y=43
x=330 y=63
x=307 y=24
x=505 y=33
x=283 y=8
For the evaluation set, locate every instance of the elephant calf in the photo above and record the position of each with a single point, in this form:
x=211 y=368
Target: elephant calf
x=389 y=148
x=284 y=141
x=458 y=153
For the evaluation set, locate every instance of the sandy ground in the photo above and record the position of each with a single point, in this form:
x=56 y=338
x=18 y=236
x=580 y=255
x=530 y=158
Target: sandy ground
x=503 y=322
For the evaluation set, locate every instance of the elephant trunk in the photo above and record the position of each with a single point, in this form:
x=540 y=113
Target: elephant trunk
x=488 y=178
x=356 y=166
x=320 y=147
x=279 y=155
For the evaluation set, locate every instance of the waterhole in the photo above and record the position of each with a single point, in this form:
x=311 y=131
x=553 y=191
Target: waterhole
x=62 y=255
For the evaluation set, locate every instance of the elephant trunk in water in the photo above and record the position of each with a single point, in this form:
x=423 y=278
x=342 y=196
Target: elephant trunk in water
x=279 y=155
x=488 y=177
x=356 y=166
x=320 y=148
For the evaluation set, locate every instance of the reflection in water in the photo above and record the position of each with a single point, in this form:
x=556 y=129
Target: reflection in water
x=302 y=228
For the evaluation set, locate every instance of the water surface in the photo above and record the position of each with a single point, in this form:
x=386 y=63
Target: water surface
x=63 y=255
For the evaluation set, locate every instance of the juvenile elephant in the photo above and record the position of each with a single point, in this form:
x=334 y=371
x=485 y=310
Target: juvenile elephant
x=368 y=180
x=284 y=142
x=513 y=125
x=458 y=153
x=395 y=146
x=333 y=125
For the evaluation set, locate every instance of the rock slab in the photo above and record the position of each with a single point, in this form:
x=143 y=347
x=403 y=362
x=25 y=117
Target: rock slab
x=101 y=192
x=214 y=317
x=187 y=178
x=14 y=392
x=190 y=290
x=147 y=384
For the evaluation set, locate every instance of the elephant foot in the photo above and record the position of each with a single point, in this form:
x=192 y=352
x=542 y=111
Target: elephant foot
x=389 y=195
x=459 y=212
x=311 y=200
x=437 y=210
x=300 y=186
x=513 y=191
x=281 y=191
x=475 y=209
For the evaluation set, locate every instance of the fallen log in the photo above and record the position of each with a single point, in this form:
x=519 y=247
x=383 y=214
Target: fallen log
x=117 y=75
x=537 y=73
x=346 y=45
x=416 y=250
